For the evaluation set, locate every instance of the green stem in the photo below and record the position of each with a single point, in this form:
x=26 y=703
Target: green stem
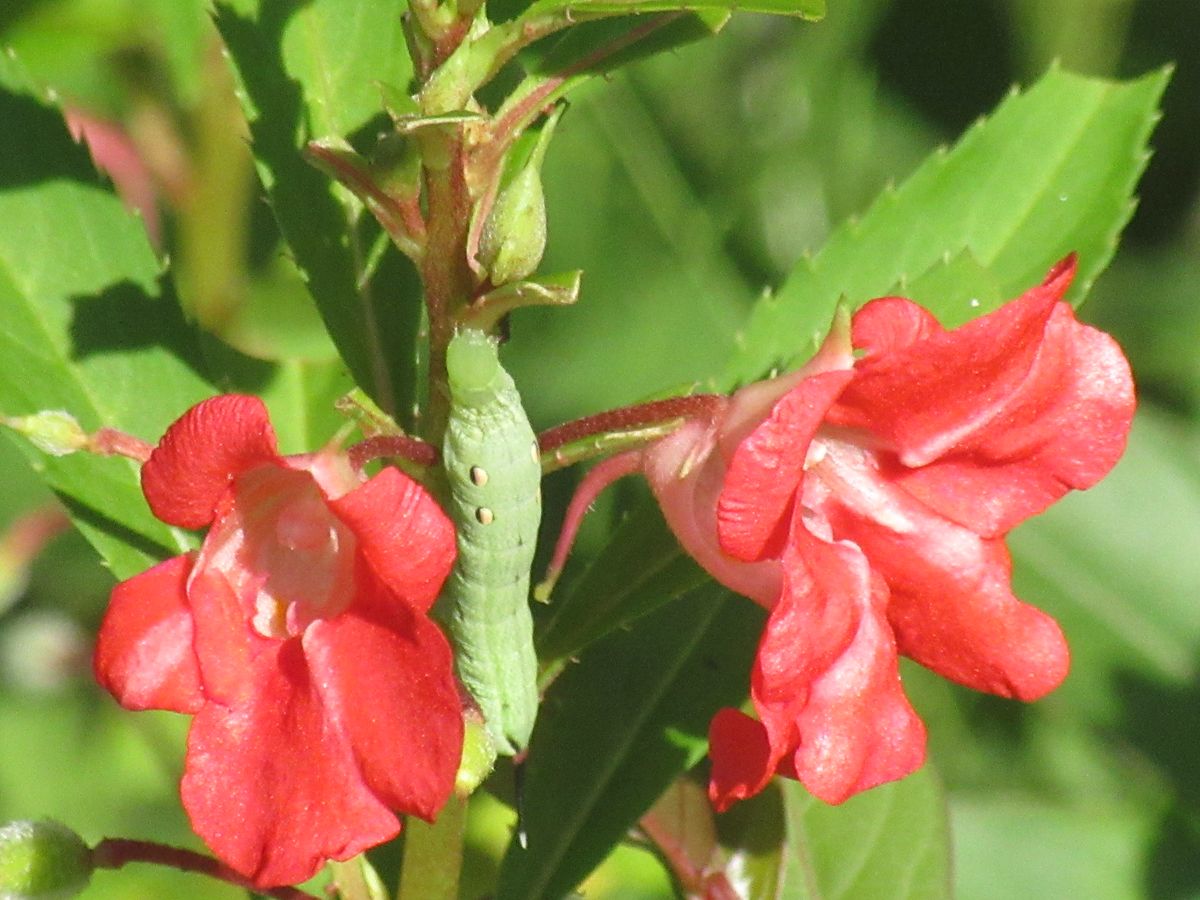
x=433 y=854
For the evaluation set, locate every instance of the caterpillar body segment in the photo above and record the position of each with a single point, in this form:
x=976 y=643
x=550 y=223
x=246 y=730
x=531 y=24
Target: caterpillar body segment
x=491 y=462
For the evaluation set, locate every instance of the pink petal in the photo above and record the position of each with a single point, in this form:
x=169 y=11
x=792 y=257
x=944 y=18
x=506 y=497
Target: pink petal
x=951 y=607
x=403 y=533
x=826 y=684
x=686 y=472
x=201 y=452
x=407 y=739
x=144 y=654
x=742 y=759
x=272 y=784
x=764 y=475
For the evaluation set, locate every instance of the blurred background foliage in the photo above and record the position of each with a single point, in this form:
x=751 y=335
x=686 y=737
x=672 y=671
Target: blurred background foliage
x=685 y=186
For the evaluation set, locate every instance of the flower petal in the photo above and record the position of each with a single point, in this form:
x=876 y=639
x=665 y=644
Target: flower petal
x=144 y=655
x=951 y=605
x=225 y=644
x=271 y=785
x=201 y=452
x=742 y=759
x=686 y=473
x=998 y=419
x=766 y=470
x=1064 y=430
x=407 y=740
x=403 y=533
x=826 y=682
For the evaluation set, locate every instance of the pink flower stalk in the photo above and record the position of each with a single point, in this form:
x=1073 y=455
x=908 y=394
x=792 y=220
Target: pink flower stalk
x=297 y=637
x=864 y=500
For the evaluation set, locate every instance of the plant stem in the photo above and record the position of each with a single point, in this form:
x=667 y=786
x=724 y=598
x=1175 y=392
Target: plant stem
x=433 y=854
x=113 y=853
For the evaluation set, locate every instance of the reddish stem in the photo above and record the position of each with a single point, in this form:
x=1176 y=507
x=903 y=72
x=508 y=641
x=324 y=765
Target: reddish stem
x=410 y=448
x=110 y=442
x=113 y=853
x=627 y=417
x=696 y=881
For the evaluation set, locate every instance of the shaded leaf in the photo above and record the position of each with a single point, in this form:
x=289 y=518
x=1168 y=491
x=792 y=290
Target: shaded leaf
x=615 y=729
x=306 y=72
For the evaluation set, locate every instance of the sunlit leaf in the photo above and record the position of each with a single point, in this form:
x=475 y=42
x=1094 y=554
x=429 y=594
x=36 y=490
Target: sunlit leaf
x=1050 y=171
x=86 y=326
x=891 y=842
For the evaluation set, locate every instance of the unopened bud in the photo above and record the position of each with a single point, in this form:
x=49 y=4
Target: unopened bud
x=514 y=236
x=42 y=861
x=52 y=431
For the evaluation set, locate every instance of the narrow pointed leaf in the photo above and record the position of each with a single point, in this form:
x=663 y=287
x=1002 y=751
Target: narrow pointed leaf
x=307 y=72
x=1051 y=171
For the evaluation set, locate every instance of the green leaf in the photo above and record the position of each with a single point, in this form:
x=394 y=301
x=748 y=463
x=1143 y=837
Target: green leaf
x=1105 y=860
x=604 y=597
x=1100 y=562
x=615 y=730
x=86 y=327
x=891 y=842
x=307 y=72
x=1051 y=171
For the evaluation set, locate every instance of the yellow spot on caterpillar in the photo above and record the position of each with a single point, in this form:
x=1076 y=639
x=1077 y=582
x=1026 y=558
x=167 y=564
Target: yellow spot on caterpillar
x=479 y=476
x=485 y=516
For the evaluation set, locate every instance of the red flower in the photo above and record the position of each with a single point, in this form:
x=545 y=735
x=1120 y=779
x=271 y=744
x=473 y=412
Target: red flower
x=323 y=696
x=863 y=500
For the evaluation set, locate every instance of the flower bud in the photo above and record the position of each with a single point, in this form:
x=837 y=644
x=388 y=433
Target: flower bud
x=53 y=431
x=42 y=861
x=514 y=235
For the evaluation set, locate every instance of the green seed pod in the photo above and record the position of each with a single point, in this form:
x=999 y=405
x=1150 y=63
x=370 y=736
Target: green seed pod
x=42 y=861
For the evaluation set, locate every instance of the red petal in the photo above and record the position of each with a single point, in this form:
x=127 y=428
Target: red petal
x=225 y=644
x=1065 y=429
x=951 y=606
x=826 y=684
x=890 y=324
x=403 y=533
x=201 y=452
x=272 y=784
x=686 y=471
x=407 y=739
x=742 y=761
x=764 y=475
x=1001 y=417
x=144 y=655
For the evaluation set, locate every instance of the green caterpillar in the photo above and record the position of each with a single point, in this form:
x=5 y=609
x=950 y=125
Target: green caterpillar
x=491 y=461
